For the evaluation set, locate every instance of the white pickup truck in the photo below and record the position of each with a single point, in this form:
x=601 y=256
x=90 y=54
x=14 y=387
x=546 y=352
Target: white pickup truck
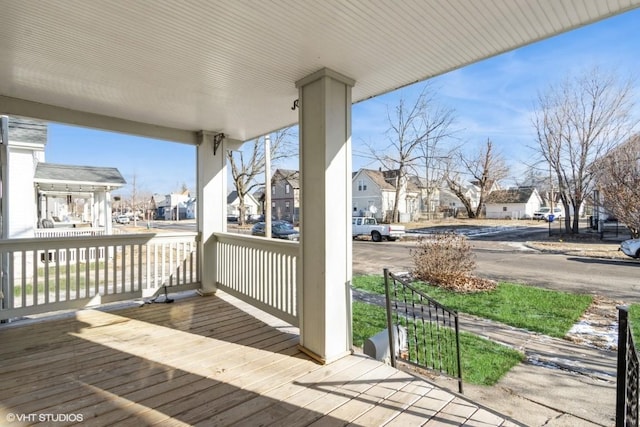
x=363 y=226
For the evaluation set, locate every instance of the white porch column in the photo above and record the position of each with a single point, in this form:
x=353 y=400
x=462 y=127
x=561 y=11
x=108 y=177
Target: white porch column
x=212 y=203
x=105 y=213
x=325 y=218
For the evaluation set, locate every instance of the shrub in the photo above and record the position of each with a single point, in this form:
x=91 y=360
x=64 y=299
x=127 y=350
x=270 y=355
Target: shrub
x=446 y=260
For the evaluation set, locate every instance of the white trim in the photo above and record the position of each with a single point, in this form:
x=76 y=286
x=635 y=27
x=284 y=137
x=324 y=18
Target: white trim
x=36 y=110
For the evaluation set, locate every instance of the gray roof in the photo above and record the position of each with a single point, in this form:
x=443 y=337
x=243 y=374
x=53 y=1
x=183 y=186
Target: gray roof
x=89 y=175
x=386 y=179
x=512 y=195
x=27 y=130
x=231 y=197
x=291 y=176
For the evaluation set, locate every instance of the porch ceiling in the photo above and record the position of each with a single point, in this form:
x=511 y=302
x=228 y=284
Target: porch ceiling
x=231 y=66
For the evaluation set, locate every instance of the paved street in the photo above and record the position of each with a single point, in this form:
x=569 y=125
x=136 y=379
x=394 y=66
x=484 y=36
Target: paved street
x=508 y=257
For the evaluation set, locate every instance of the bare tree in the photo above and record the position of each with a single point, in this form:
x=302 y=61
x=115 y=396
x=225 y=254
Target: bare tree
x=248 y=164
x=578 y=121
x=618 y=182
x=412 y=127
x=431 y=154
x=484 y=168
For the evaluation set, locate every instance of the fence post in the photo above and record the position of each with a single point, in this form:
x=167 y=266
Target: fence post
x=621 y=385
x=392 y=349
x=458 y=358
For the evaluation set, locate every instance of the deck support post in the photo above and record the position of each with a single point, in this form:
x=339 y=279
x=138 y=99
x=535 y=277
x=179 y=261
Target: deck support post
x=211 y=202
x=325 y=273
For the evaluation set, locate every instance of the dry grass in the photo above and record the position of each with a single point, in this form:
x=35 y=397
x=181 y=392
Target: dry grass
x=446 y=260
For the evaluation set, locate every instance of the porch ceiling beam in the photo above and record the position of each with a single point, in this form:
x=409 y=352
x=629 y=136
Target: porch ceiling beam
x=52 y=113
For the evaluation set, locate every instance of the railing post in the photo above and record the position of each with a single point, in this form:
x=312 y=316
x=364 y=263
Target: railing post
x=392 y=350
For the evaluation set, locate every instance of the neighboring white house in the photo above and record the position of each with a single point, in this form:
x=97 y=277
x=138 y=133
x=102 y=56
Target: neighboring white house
x=451 y=205
x=251 y=205
x=513 y=203
x=374 y=193
x=37 y=194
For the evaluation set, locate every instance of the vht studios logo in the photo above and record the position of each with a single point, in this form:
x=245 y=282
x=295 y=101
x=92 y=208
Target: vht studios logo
x=43 y=418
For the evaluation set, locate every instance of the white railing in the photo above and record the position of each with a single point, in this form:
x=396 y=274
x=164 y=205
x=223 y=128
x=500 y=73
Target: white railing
x=73 y=232
x=47 y=274
x=259 y=271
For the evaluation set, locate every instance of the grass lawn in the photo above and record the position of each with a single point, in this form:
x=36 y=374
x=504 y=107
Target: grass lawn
x=483 y=362
x=634 y=320
x=540 y=310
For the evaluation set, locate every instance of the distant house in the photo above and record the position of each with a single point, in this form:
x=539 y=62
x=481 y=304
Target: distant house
x=627 y=160
x=251 y=205
x=37 y=194
x=374 y=194
x=513 y=203
x=173 y=207
x=451 y=205
x=285 y=195
x=191 y=208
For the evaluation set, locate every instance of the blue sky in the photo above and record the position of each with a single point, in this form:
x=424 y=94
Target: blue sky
x=492 y=99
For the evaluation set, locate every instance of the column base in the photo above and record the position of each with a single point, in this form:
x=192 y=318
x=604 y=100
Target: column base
x=322 y=360
x=206 y=292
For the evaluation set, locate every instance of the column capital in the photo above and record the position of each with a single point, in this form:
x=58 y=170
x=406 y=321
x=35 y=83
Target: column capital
x=325 y=72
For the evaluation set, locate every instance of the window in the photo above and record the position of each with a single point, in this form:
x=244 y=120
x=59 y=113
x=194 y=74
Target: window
x=273 y=189
x=504 y=209
x=287 y=206
x=273 y=204
x=362 y=186
x=287 y=188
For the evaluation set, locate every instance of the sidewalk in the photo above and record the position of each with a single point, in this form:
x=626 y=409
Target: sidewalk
x=559 y=384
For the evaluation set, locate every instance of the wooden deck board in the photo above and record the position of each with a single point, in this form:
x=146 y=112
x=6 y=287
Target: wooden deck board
x=204 y=361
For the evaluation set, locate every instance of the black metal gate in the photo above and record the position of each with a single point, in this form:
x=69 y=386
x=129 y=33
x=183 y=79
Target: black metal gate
x=628 y=374
x=432 y=332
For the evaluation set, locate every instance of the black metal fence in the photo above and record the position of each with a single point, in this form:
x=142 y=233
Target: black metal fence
x=432 y=333
x=628 y=373
x=590 y=226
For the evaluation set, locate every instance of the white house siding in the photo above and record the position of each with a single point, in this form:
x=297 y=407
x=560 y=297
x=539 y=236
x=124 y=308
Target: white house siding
x=175 y=202
x=508 y=211
x=366 y=193
x=252 y=206
x=21 y=195
x=513 y=208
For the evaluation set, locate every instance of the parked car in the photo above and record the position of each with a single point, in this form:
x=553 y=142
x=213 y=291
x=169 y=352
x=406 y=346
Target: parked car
x=279 y=230
x=365 y=226
x=253 y=218
x=122 y=219
x=630 y=248
x=545 y=211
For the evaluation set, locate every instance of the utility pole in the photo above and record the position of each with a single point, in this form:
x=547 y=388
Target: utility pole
x=267 y=186
x=550 y=189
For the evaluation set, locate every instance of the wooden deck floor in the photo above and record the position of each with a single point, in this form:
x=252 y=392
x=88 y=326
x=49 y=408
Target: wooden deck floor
x=210 y=361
